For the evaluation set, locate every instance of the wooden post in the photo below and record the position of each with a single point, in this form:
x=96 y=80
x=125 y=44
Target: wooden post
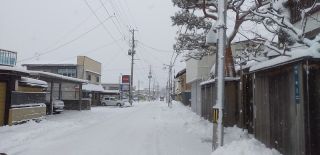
x=51 y=97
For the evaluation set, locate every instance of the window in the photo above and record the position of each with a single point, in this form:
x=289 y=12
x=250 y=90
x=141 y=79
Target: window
x=71 y=72
x=98 y=79
x=89 y=77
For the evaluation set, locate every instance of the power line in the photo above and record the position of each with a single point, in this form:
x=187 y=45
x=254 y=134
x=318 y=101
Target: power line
x=88 y=51
x=130 y=13
x=72 y=30
x=105 y=28
x=118 y=12
x=155 y=49
x=66 y=43
x=112 y=19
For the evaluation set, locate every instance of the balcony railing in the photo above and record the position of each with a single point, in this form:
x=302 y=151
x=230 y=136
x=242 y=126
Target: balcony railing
x=8 y=58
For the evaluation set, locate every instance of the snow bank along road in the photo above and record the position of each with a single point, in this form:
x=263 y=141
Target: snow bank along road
x=145 y=129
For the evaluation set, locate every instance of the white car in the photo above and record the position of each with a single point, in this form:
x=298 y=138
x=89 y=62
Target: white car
x=112 y=101
x=58 y=106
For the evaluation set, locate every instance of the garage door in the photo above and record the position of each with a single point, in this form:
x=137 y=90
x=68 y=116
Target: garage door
x=2 y=101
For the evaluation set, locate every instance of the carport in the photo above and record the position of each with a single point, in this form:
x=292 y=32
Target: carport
x=95 y=93
x=71 y=86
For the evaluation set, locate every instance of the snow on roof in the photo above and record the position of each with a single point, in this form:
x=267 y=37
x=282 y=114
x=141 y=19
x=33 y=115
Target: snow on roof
x=50 y=65
x=225 y=79
x=181 y=72
x=15 y=68
x=34 y=82
x=111 y=91
x=312 y=52
x=247 y=65
x=92 y=87
x=62 y=77
x=93 y=72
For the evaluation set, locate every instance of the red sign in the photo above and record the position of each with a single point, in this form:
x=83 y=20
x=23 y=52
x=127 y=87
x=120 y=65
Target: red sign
x=125 y=78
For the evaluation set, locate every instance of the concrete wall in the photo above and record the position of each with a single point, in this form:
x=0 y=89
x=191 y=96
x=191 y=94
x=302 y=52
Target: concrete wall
x=17 y=115
x=196 y=97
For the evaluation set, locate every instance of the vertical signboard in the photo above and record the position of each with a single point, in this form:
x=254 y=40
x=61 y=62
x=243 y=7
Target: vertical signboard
x=296 y=83
x=125 y=78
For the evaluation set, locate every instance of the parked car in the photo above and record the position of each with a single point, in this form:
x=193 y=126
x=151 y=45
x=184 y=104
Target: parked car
x=112 y=101
x=58 y=106
x=161 y=98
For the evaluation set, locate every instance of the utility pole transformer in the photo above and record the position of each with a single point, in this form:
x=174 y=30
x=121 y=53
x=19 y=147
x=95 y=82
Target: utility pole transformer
x=131 y=52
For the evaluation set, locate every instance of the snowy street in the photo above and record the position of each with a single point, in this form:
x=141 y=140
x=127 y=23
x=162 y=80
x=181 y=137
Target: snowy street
x=145 y=129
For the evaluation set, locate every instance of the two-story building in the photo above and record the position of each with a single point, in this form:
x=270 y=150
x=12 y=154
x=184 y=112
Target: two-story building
x=85 y=68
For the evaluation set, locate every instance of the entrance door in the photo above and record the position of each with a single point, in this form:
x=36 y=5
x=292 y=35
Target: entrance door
x=2 y=101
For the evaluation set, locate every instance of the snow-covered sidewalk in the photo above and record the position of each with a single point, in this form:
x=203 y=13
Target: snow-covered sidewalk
x=239 y=142
x=145 y=129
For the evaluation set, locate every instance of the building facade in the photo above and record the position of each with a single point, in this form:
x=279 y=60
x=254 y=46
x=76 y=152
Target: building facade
x=89 y=69
x=196 y=72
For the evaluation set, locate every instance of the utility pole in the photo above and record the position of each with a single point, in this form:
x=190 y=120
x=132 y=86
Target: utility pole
x=149 y=77
x=172 y=62
x=131 y=52
x=153 y=89
x=220 y=74
x=138 y=90
x=169 y=84
x=120 y=87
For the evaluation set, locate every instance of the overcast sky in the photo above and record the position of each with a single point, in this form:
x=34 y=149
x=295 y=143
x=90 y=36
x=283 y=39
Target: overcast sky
x=56 y=31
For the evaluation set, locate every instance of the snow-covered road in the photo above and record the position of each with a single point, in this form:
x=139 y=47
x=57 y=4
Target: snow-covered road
x=145 y=129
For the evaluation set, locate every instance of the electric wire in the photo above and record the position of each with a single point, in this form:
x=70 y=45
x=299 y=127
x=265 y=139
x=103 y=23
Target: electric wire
x=117 y=27
x=66 y=43
x=104 y=27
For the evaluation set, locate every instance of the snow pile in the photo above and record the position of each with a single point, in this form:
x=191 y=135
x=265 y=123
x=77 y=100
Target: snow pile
x=192 y=123
x=238 y=142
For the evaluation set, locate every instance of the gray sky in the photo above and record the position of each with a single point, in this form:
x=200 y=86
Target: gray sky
x=58 y=29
